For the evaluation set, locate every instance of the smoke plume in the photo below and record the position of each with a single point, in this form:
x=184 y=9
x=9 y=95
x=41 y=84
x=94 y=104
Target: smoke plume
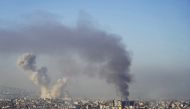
x=40 y=76
x=83 y=49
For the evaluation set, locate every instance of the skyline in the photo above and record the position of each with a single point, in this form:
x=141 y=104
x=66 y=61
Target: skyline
x=155 y=33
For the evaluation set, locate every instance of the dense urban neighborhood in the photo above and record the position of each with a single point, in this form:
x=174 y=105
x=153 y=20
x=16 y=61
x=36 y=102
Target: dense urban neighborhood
x=14 y=98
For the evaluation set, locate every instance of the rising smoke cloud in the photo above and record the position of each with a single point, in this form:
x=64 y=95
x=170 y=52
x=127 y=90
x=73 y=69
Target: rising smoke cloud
x=40 y=77
x=90 y=51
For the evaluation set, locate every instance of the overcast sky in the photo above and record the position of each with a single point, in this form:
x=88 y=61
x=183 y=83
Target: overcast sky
x=156 y=33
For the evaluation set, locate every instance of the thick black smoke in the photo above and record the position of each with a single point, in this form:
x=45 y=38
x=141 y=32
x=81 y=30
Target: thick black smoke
x=97 y=51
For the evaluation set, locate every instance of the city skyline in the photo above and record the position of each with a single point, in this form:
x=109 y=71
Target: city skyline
x=155 y=33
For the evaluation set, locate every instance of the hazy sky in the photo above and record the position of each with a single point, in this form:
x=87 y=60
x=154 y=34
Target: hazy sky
x=156 y=32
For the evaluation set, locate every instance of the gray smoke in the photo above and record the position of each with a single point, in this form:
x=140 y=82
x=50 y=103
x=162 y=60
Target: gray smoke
x=40 y=77
x=86 y=49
